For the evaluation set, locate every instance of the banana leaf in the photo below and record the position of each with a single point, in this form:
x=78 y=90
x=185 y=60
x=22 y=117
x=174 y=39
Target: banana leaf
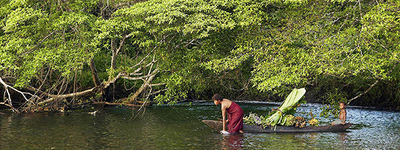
x=290 y=102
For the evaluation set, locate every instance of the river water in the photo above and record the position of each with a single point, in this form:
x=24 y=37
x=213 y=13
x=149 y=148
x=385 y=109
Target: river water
x=180 y=127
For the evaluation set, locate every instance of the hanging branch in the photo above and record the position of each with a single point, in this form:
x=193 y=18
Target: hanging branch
x=359 y=95
x=9 y=100
x=143 y=87
x=370 y=87
x=54 y=97
x=147 y=80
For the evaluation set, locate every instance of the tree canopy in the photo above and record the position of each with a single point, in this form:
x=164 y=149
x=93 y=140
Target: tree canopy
x=57 y=54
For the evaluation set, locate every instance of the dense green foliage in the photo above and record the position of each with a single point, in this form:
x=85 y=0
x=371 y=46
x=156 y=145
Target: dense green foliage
x=33 y=40
x=335 y=48
x=244 y=49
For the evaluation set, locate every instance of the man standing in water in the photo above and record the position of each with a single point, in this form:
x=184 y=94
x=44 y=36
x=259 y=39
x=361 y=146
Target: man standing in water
x=235 y=115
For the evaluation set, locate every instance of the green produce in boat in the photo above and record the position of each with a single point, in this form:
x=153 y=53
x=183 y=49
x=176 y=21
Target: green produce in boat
x=288 y=120
x=289 y=103
x=217 y=125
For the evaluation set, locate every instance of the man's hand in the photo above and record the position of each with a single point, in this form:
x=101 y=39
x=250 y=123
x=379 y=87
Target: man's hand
x=224 y=132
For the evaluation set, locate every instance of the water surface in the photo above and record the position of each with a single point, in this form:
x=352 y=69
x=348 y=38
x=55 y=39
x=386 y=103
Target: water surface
x=180 y=127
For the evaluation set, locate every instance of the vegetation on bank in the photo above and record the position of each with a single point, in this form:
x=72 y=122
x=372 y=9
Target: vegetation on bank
x=57 y=55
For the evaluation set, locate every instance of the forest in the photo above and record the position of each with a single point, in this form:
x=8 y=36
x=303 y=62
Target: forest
x=65 y=54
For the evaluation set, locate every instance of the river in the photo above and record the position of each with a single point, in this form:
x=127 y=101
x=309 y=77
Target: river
x=180 y=127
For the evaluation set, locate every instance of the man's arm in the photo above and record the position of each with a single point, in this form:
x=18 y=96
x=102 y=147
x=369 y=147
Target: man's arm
x=223 y=118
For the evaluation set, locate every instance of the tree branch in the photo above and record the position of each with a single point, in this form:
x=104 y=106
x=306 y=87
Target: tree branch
x=54 y=97
x=359 y=95
x=143 y=87
x=108 y=103
x=370 y=87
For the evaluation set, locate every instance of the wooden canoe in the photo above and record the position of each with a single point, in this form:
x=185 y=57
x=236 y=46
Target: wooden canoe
x=282 y=129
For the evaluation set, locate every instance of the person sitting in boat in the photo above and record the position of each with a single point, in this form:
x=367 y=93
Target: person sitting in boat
x=342 y=115
x=235 y=115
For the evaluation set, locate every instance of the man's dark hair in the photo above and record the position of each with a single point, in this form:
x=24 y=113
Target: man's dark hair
x=217 y=97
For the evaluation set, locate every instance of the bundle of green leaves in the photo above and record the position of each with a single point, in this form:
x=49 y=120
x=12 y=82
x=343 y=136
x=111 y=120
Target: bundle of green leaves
x=289 y=104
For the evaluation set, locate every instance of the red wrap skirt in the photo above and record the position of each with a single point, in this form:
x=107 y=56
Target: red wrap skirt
x=235 y=118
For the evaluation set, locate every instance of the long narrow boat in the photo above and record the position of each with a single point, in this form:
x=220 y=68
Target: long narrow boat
x=282 y=129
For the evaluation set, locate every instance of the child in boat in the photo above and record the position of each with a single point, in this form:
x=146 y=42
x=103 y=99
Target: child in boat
x=235 y=114
x=342 y=115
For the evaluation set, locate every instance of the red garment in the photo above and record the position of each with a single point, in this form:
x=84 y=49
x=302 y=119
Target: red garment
x=235 y=118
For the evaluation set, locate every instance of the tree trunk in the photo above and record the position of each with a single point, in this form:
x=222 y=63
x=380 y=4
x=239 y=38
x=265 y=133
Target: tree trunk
x=95 y=77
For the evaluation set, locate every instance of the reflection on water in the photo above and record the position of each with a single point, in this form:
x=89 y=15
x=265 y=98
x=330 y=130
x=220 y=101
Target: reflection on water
x=233 y=141
x=180 y=127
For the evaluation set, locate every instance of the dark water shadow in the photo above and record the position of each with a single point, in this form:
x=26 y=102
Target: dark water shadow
x=232 y=141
